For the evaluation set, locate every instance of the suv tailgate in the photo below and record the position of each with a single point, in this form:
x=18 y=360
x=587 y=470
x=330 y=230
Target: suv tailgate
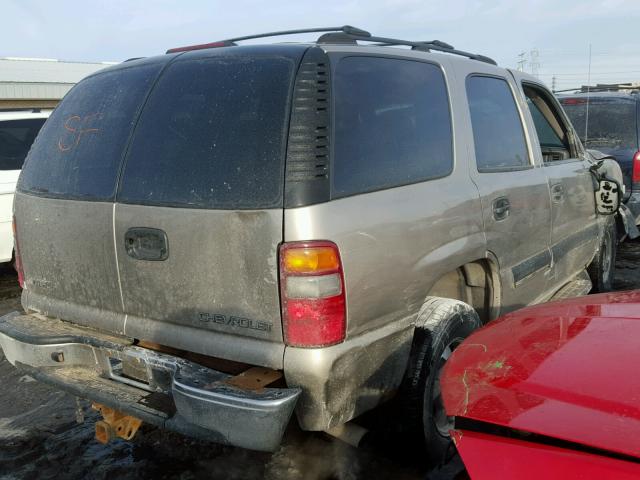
x=182 y=250
x=65 y=194
x=217 y=289
x=203 y=182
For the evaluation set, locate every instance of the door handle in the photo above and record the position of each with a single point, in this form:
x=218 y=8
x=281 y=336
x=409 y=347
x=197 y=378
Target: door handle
x=501 y=208
x=557 y=193
x=144 y=243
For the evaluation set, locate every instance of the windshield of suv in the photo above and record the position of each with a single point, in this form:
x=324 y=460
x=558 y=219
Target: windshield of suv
x=16 y=137
x=612 y=121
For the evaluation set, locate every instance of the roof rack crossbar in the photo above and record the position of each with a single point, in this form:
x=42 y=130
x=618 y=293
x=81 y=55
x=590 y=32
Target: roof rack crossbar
x=435 y=45
x=422 y=42
x=348 y=29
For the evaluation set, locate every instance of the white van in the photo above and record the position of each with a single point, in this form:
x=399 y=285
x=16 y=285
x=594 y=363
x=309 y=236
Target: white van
x=18 y=130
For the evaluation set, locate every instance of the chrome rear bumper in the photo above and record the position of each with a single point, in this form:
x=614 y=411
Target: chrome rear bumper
x=163 y=390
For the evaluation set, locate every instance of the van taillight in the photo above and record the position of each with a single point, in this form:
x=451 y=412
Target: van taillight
x=312 y=294
x=635 y=175
x=16 y=252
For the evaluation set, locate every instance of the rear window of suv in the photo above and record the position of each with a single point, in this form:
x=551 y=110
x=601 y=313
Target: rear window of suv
x=392 y=124
x=79 y=150
x=206 y=132
x=16 y=137
x=212 y=135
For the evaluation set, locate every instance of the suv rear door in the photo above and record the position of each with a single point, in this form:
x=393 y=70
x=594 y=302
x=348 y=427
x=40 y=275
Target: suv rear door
x=152 y=204
x=513 y=188
x=199 y=211
x=64 y=201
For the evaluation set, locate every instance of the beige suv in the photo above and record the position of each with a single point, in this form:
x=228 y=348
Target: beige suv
x=216 y=238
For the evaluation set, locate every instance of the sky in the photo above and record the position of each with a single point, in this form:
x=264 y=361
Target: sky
x=560 y=31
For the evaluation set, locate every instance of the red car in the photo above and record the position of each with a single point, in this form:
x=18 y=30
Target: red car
x=550 y=392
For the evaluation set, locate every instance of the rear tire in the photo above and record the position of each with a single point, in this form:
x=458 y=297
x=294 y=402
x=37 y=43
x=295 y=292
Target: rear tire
x=442 y=325
x=602 y=269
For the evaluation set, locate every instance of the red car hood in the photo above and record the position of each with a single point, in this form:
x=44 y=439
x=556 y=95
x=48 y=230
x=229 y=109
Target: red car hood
x=568 y=370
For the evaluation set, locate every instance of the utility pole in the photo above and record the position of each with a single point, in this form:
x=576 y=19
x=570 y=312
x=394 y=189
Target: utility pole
x=535 y=64
x=522 y=61
x=553 y=84
x=586 y=120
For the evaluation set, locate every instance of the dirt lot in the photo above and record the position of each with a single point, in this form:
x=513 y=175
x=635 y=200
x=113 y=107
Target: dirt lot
x=40 y=437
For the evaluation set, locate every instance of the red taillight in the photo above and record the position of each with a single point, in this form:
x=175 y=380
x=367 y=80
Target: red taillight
x=312 y=294
x=635 y=175
x=16 y=250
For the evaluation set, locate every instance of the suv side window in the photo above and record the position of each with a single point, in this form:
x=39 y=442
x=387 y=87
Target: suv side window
x=498 y=133
x=392 y=124
x=552 y=132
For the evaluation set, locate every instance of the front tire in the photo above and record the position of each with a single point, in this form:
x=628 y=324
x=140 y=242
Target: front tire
x=442 y=325
x=602 y=269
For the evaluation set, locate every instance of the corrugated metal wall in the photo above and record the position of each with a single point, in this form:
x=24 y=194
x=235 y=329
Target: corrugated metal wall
x=39 y=83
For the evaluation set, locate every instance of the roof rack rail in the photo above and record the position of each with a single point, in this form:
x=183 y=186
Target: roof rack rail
x=436 y=45
x=343 y=35
x=346 y=29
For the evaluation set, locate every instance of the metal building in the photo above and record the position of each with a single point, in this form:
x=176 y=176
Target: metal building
x=39 y=82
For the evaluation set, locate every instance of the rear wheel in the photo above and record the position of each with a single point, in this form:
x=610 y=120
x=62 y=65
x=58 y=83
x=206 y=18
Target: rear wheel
x=602 y=268
x=442 y=325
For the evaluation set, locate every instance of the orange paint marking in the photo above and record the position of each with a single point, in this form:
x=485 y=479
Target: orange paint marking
x=77 y=132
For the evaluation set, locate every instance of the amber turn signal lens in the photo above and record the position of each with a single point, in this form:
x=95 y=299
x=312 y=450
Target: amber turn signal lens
x=311 y=260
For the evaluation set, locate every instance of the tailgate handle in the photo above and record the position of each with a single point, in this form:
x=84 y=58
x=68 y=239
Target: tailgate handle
x=144 y=243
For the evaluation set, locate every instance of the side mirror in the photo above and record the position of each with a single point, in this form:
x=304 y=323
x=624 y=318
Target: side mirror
x=607 y=197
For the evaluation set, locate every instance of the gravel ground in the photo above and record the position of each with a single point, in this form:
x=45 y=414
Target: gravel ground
x=41 y=439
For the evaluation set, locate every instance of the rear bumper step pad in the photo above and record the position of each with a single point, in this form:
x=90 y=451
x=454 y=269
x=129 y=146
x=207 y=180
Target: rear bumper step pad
x=176 y=394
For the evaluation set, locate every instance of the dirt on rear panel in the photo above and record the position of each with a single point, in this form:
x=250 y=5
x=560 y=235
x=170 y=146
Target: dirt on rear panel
x=40 y=437
x=45 y=433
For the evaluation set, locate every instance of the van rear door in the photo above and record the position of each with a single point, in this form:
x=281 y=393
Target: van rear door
x=199 y=212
